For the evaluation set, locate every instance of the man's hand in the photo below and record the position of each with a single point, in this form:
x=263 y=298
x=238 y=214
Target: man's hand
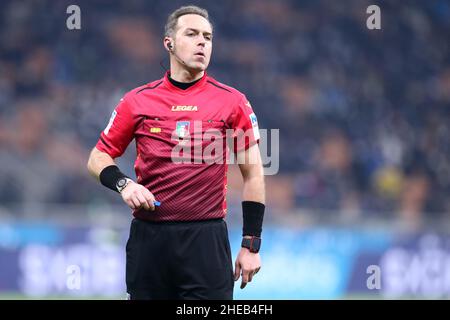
x=137 y=196
x=249 y=264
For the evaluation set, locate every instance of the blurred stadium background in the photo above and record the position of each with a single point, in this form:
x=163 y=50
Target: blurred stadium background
x=364 y=119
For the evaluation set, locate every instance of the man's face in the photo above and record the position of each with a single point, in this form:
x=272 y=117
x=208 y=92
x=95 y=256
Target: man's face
x=193 y=41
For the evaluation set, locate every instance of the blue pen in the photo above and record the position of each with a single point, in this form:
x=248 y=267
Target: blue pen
x=157 y=203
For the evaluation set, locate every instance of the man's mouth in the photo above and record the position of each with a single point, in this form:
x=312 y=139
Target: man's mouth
x=201 y=54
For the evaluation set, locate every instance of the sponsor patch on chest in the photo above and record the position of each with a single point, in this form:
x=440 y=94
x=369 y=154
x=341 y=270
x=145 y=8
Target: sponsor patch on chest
x=184 y=108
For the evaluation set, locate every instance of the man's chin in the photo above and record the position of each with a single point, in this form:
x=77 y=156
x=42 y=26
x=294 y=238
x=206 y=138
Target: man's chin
x=197 y=67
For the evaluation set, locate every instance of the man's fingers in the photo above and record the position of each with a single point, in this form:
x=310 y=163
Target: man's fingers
x=148 y=195
x=247 y=276
x=250 y=276
x=237 y=271
x=137 y=196
x=244 y=278
x=135 y=202
x=130 y=204
x=150 y=199
x=143 y=201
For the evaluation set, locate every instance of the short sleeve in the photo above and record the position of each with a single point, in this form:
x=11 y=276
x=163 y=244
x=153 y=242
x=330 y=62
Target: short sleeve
x=245 y=126
x=119 y=132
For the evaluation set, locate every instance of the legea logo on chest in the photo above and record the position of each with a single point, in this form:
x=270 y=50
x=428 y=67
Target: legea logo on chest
x=184 y=108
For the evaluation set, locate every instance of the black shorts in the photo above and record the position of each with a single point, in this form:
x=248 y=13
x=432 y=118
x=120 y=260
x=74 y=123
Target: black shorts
x=179 y=260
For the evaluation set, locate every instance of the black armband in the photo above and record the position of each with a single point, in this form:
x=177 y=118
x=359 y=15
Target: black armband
x=110 y=175
x=253 y=215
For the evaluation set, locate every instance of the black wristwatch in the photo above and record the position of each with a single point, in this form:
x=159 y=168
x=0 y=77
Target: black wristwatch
x=253 y=244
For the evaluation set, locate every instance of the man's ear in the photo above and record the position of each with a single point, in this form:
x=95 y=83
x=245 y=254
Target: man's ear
x=168 y=43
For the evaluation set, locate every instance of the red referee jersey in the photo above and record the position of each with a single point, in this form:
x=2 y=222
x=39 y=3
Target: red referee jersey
x=161 y=118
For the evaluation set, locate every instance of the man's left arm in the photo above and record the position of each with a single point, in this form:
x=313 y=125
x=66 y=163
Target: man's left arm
x=248 y=261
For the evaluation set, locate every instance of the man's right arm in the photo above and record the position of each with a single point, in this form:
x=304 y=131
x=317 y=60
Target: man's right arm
x=98 y=161
x=112 y=143
x=134 y=194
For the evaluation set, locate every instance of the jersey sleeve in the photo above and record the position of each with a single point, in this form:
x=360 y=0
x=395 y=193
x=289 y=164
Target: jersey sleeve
x=245 y=126
x=119 y=132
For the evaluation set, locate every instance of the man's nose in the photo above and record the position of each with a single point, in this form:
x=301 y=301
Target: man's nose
x=201 y=41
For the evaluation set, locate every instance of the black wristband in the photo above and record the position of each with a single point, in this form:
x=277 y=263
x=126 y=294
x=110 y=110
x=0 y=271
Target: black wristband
x=110 y=175
x=253 y=215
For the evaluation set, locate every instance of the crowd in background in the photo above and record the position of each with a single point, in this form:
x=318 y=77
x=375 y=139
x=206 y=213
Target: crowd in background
x=364 y=115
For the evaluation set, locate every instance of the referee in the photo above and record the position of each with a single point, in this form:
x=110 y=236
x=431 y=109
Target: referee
x=178 y=246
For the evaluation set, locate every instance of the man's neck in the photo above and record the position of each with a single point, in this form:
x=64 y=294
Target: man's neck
x=183 y=75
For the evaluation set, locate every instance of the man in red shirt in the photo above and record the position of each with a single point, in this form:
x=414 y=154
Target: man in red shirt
x=178 y=246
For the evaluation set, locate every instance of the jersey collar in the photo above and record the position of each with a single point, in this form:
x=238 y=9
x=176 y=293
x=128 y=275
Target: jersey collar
x=191 y=89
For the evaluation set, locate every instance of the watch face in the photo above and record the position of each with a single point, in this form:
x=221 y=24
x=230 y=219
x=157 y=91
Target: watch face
x=121 y=182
